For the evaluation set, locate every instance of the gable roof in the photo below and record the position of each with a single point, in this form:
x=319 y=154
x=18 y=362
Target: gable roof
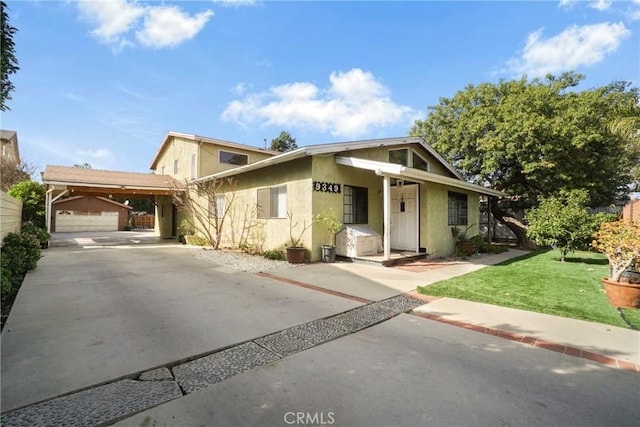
x=205 y=140
x=334 y=148
x=104 y=199
x=72 y=176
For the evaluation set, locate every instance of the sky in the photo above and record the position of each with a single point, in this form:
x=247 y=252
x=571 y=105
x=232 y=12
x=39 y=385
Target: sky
x=102 y=82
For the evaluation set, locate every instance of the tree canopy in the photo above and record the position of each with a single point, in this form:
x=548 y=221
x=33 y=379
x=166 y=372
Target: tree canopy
x=284 y=142
x=8 y=60
x=533 y=139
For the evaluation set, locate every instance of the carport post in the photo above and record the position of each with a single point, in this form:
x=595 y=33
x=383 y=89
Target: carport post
x=49 y=205
x=386 y=201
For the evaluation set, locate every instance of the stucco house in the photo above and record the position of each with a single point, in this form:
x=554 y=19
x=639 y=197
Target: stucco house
x=398 y=188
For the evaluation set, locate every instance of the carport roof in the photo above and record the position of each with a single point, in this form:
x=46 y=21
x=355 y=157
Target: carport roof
x=84 y=180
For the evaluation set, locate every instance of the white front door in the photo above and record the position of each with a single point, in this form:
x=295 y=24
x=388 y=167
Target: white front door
x=404 y=217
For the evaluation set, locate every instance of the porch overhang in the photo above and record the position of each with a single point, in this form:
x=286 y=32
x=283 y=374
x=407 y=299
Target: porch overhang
x=393 y=170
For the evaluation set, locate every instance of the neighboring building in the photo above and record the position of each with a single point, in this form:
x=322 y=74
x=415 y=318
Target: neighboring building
x=86 y=213
x=632 y=210
x=399 y=188
x=10 y=151
x=65 y=181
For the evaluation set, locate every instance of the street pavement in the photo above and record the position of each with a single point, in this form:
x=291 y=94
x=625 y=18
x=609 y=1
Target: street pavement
x=106 y=313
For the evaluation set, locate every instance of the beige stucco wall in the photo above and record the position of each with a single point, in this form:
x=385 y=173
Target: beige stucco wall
x=270 y=233
x=180 y=149
x=163 y=217
x=209 y=155
x=10 y=215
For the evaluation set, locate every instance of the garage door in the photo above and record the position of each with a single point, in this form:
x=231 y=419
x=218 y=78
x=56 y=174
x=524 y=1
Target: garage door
x=72 y=221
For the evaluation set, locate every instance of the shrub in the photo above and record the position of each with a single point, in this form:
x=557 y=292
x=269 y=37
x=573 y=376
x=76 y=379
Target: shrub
x=20 y=253
x=6 y=285
x=561 y=222
x=274 y=255
x=198 y=241
x=32 y=194
x=40 y=233
x=620 y=241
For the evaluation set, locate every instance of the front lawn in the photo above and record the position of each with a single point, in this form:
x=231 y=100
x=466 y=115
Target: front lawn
x=539 y=282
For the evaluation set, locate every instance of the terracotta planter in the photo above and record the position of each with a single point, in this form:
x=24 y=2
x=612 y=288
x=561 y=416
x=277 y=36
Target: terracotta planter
x=624 y=295
x=296 y=255
x=469 y=248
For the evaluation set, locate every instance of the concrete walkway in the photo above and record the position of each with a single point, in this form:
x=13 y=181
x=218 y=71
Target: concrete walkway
x=611 y=345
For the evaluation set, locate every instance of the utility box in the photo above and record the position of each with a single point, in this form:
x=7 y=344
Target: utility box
x=354 y=241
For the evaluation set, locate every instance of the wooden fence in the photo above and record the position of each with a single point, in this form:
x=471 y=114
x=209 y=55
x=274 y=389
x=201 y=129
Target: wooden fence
x=10 y=215
x=143 y=221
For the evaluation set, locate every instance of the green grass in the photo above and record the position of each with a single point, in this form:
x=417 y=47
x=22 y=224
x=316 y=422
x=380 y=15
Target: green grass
x=539 y=282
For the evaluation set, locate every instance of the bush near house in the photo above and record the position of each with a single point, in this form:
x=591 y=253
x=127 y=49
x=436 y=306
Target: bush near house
x=38 y=232
x=20 y=253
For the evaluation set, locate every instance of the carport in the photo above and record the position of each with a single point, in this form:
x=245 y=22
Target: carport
x=61 y=181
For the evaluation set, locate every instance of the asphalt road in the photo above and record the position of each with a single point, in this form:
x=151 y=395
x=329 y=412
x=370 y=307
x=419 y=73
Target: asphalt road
x=411 y=371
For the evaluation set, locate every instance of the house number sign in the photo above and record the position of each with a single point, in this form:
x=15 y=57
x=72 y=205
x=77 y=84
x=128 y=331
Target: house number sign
x=326 y=187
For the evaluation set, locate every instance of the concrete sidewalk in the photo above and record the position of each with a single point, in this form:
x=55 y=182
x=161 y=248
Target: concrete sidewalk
x=611 y=345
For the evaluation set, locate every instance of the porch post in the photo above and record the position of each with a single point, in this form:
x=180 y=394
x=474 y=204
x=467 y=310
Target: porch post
x=386 y=203
x=47 y=208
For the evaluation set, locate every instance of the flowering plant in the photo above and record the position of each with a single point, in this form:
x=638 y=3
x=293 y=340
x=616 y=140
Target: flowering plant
x=620 y=241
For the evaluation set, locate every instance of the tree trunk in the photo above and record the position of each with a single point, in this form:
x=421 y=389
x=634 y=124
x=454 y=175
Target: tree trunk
x=514 y=224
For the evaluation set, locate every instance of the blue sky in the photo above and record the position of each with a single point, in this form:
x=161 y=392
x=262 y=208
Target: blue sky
x=104 y=81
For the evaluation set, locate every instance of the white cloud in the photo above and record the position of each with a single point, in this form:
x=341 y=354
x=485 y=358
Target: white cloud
x=600 y=4
x=100 y=153
x=568 y=4
x=236 y=3
x=162 y=26
x=354 y=103
x=572 y=48
x=169 y=26
x=113 y=18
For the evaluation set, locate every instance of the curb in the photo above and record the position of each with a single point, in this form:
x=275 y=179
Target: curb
x=525 y=339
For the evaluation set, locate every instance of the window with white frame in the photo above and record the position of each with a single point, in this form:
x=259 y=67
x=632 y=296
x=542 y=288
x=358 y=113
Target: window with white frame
x=175 y=167
x=272 y=202
x=232 y=158
x=193 y=166
x=217 y=206
x=409 y=158
x=458 y=208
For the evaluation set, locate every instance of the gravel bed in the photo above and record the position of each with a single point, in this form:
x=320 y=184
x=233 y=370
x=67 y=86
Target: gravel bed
x=240 y=260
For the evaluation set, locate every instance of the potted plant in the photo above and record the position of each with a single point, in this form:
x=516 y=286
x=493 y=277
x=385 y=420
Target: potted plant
x=620 y=241
x=464 y=244
x=331 y=222
x=296 y=251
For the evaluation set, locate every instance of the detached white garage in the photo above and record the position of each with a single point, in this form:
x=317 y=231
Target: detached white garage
x=87 y=213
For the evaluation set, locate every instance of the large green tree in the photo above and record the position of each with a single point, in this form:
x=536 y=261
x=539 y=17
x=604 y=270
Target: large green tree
x=536 y=138
x=284 y=142
x=8 y=60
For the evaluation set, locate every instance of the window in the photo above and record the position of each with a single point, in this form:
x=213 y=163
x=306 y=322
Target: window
x=356 y=205
x=233 y=158
x=418 y=162
x=193 y=166
x=175 y=167
x=216 y=207
x=401 y=157
x=272 y=202
x=162 y=170
x=457 y=208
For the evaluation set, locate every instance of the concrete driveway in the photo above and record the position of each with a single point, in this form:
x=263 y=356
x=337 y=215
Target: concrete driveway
x=91 y=313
